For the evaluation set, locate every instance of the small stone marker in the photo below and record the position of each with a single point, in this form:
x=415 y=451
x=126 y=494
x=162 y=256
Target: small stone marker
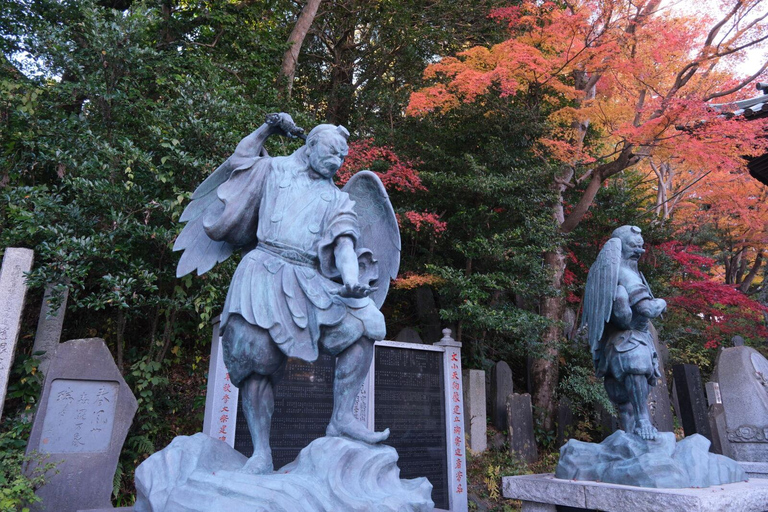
x=13 y=289
x=501 y=388
x=49 y=326
x=408 y=335
x=658 y=399
x=474 y=409
x=520 y=418
x=737 y=341
x=693 y=403
x=713 y=393
x=564 y=421
x=81 y=424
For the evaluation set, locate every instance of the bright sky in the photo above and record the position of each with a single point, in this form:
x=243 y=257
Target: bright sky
x=755 y=57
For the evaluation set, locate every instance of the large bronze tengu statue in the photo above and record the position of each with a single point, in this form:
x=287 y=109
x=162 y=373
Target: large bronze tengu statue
x=618 y=305
x=315 y=271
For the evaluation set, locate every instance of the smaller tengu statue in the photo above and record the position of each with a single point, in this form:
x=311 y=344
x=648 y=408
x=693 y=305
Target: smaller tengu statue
x=618 y=305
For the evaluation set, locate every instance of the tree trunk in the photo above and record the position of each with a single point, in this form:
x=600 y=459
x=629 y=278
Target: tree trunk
x=544 y=370
x=752 y=272
x=342 y=80
x=120 y=337
x=295 y=40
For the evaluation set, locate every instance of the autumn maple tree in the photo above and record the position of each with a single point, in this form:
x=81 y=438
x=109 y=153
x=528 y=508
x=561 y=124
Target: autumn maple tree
x=617 y=83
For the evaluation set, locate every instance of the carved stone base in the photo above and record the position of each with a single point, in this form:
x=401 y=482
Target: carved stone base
x=202 y=474
x=543 y=493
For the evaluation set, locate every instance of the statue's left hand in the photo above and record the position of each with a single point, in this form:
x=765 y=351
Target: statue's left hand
x=356 y=290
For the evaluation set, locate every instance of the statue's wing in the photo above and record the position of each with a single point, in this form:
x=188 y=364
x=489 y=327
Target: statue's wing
x=379 y=231
x=201 y=253
x=600 y=292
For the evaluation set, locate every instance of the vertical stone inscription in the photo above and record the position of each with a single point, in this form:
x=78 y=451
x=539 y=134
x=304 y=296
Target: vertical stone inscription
x=13 y=289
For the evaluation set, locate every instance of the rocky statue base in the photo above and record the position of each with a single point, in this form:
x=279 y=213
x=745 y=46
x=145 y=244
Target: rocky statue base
x=626 y=459
x=202 y=474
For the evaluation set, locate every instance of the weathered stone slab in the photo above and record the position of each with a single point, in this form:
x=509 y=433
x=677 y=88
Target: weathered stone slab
x=13 y=290
x=659 y=405
x=755 y=469
x=501 y=388
x=693 y=403
x=82 y=421
x=49 y=326
x=742 y=373
x=544 y=489
x=408 y=335
x=520 y=419
x=474 y=409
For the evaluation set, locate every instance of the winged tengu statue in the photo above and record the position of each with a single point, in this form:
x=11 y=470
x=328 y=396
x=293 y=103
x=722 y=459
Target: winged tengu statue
x=315 y=271
x=618 y=304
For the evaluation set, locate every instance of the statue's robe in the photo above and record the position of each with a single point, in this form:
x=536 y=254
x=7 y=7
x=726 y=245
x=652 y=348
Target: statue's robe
x=289 y=284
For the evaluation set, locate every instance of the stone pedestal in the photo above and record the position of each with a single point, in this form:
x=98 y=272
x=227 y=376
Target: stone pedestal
x=755 y=469
x=542 y=493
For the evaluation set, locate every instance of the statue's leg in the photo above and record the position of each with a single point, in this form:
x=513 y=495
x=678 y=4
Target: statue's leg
x=351 y=369
x=251 y=347
x=618 y=395
x=638 y=389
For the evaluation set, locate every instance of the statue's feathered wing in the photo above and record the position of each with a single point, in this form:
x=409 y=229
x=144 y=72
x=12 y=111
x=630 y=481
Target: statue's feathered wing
x=201 y=253
x=379 y=231
x=600 y=293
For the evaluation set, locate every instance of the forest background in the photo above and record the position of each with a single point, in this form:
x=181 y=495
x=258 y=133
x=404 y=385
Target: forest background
x=513 y=137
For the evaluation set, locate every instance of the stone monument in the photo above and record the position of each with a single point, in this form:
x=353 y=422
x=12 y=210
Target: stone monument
x=618 y=306
x=81 y=424
x=13 y=290
x=742 y=375
x=316 y=269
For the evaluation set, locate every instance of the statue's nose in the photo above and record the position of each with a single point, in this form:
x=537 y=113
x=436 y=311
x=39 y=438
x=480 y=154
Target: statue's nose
x=640 y=250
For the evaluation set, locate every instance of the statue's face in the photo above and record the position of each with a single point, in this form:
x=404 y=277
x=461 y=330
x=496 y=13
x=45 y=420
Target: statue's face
x=632 y=247
x=328 y=153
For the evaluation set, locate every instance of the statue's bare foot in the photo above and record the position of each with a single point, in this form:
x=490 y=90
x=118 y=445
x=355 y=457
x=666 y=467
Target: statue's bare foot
x=353 y=429
x=258 y=464
x=644 y=429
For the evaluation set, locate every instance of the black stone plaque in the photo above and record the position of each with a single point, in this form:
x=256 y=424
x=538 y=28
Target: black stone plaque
x=693 y=401
x=303 y=406
x=409 y=399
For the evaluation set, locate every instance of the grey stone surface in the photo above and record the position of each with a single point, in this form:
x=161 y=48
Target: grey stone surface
x=520 y=419
x=749 y=496
x=737 y=341
x=408 y=335
x=13 y=290
x=317 y=268
x=659 y=404
x=742 y=373
x=82 y=421
x=201 y=474
x=530 y=506
x=501 y=388
x=120 y=509
x=474 y=409
x=618 y=306
x=755 y=469
x=628 y=459
x=49 y=325
x=693 y=402
x=718 y=427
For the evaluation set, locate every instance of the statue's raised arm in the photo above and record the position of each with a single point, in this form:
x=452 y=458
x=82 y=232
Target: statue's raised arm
x=203 y=246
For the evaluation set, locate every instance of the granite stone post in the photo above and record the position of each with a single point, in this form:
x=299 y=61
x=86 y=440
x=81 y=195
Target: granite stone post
x=474 y=409
x=408 y=335
x=13 y=290
x=81 y=425
x=49 y=326
x=658 y=399
x=520 y=418
x=501 y=388
x=716 y=414
x=693 y=403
